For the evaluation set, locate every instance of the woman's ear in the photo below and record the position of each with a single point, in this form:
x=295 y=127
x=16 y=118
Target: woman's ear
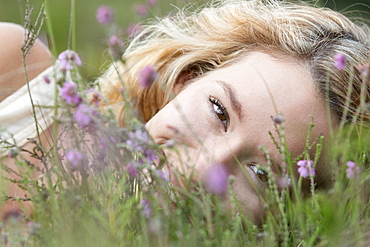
x=182 y=80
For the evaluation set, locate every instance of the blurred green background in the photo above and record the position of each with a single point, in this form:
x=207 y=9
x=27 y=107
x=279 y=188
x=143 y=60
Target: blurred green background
x=91 y=37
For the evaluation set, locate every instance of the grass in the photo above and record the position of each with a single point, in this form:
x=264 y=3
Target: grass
x=100 y=202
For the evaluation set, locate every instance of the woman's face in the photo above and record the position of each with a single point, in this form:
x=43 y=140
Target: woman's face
x=225 y=116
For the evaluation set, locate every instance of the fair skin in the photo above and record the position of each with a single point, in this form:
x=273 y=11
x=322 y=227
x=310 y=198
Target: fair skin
x=242 y=88
x=12 y=77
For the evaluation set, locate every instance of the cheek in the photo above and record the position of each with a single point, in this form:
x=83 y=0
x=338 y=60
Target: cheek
x=249 y=196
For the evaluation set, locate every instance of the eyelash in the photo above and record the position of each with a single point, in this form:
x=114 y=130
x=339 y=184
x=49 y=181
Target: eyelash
x=220 y=112
x=260 y=174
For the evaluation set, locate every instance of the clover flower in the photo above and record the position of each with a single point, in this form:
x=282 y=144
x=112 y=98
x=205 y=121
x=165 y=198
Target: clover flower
x=216 y=181
x=306 y=168
x=69 y=93
x=146 y=76
x=84 y=116
x=340 y=61
x=67 y=58
x=75 y=158
x=352 y=169
x=147 y=209
x=105 y=15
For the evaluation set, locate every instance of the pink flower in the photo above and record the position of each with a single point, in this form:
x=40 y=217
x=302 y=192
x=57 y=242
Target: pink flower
x=340 y=61
x=306 y=168
x=69 y=93
x=75 y=158
x=162 y=175
x=353 y=170
x=216 y=181
x=132 y=169
x=151 y=2
x=364 y=70
x=95 y=97
x=13 y=152
x=84 y=116
x=134 y=29
x=141 y=10
x=116 y=45
x=114 y=40
x=67 y=58
x=46 y=79
x=278 y=119
x=146 y=76
x=105 y=15
x=147 y=209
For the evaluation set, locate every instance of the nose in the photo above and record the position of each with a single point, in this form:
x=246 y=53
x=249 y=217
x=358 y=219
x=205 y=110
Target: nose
x=201 y=151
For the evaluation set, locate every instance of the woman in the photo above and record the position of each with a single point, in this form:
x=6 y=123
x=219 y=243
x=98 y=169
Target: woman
x=224 y=72
x=232 y=67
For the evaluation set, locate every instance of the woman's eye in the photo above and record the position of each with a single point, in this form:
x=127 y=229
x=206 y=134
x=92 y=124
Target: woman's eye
x=220 y=111
x=260 y=174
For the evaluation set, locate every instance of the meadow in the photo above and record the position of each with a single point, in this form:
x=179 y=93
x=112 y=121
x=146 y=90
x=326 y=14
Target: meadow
x=105 y=190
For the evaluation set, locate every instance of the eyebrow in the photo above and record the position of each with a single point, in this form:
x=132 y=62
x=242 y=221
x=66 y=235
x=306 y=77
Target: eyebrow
x=231 y=93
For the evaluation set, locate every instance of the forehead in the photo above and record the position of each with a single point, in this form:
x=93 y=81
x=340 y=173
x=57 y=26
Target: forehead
x=278 y=82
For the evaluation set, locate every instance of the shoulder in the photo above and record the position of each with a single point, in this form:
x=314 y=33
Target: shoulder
x=11 y=38
x=12 y=74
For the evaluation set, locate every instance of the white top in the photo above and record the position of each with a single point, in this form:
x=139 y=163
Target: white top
x=17 y=122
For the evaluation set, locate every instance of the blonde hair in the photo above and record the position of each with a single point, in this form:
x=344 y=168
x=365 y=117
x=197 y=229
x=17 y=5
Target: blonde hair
x=194 y=42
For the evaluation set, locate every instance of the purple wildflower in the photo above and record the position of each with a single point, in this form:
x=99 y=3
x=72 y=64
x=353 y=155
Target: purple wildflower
x=46 y=79
x=340 y=61
x=115 y=46
x=84 y=116
x=216 y=181
x=278 y=119
x=106 y=142
x=69 y=93
x=105 y=15
x=75 y=158
x=137 y=140
x=151 y=2
x=94 y=96
x=150 y=156
x=147 y=76
x=66 y=58
x=114 y=40
x=306 y=168
x=141 y=10
x=352 y=169
x=147 y=209
x=13 y=152
x=132 y=169
x=162 y=175
x=364 y=70
x=134 y=29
